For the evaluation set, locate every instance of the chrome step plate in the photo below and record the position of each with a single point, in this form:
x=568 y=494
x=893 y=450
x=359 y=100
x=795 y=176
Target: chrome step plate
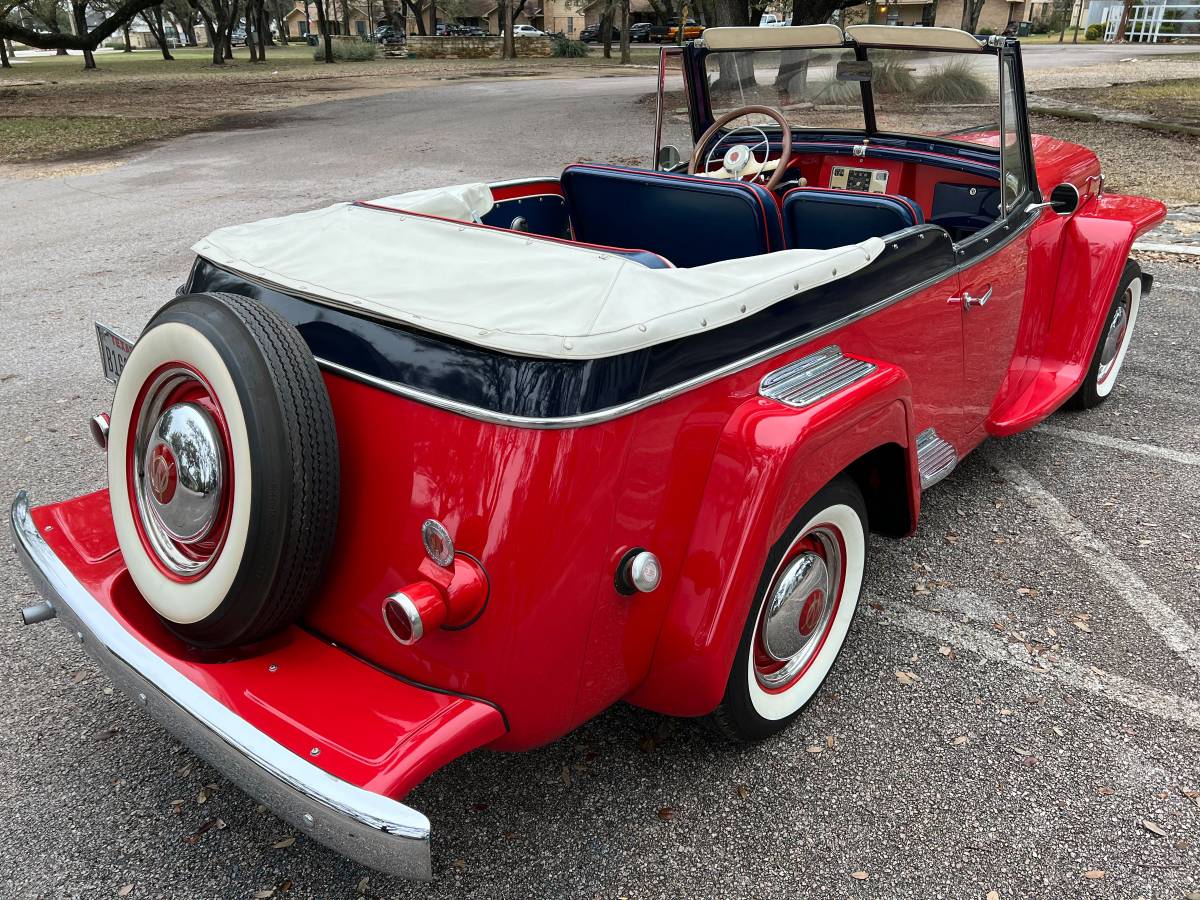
x=814 y=377
x=936 y=457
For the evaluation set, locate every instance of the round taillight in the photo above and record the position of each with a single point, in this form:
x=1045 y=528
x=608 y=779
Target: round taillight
x=402 y=619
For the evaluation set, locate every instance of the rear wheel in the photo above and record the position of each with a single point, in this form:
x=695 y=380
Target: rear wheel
x=797 y=626
x=223 y=469
x=1114 y=342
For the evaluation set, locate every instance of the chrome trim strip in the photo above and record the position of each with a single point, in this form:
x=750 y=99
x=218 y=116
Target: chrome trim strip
x=811 y=378
x=367 y=827
x=936 y=457
x=624 y=409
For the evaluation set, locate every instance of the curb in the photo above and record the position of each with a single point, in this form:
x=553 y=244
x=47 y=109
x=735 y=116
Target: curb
x=1179 y=249
x=1093 y=114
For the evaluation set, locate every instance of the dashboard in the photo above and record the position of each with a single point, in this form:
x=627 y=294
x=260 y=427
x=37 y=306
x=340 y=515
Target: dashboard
x=848 y=178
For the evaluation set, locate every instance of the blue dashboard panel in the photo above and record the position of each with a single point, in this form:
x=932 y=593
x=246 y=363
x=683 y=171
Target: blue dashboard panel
x=963 y=209
x=544 y=214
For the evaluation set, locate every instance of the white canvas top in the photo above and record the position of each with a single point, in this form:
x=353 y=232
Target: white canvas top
x=507 y=290
x=753 y=37
x=914 y=37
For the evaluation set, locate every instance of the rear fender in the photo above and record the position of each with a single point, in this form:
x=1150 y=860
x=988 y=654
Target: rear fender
x=771 y=459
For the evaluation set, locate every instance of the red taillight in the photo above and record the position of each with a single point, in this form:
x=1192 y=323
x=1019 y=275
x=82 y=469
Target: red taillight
x=454 y=597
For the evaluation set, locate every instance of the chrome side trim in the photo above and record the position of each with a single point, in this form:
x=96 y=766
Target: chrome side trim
x=364 y=826
x=936 y=457
x=814 y=377
x=624 y=409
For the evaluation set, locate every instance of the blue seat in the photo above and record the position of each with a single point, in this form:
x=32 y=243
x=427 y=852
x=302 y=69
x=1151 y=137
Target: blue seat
x=691 y=221
x=819 y=219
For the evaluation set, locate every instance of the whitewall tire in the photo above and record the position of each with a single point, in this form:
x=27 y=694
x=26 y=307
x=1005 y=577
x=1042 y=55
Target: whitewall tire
x=222 y=469
x=1113 y=343
x=801 y=615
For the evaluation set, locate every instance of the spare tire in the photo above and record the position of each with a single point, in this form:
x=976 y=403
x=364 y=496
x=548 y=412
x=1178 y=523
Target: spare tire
x=223 y=469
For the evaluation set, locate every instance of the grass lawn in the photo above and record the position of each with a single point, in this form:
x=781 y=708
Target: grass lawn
x=34 y=138
x=1053 y=38
x=1177 y=99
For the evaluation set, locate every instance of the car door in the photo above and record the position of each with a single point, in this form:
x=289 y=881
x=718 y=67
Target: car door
x=994 y=265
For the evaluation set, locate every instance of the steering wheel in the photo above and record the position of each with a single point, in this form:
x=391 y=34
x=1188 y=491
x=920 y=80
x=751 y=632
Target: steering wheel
x=739 y=161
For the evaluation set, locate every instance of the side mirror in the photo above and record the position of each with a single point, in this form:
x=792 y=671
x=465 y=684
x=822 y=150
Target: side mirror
x=668 y=158
x=1064 y=200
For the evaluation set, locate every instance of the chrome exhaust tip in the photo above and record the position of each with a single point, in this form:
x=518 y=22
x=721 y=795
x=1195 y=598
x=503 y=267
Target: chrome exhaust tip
x=99 y=428
x=39 y=612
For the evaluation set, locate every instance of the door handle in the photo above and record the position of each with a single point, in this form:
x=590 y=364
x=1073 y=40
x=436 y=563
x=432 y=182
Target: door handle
x=968 y=299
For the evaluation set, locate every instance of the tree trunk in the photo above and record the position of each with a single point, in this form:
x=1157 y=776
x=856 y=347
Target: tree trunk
x=433 y=16
x=509 y=48
x=128 y=46
x=418 y=17
x=79 y=15
x=606 y=21
x=1078 y=13
x=625 y=57
x=4 y=63
x=281 y=27
x=1123 y=25
x=154 y=21
x=53 y=28
x=323 y=24
x=264 y=31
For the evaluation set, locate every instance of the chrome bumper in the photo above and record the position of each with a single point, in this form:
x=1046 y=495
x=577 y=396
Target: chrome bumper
x=366 y=827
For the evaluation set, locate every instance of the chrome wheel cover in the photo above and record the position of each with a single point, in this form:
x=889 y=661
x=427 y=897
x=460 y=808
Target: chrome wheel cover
x=178 y=474
x=1115 y=337
x=798 y=610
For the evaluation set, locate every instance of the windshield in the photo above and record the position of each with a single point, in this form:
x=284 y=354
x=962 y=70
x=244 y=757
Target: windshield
x=915 y=92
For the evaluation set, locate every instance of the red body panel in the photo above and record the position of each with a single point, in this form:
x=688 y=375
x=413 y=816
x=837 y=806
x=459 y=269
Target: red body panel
x=371 y=729
x=708 y=480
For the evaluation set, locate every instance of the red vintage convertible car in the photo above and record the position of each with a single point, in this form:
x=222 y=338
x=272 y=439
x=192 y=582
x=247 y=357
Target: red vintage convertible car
x=391 y=481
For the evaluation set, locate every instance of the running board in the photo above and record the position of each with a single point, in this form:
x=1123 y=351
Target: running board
x=935 y=457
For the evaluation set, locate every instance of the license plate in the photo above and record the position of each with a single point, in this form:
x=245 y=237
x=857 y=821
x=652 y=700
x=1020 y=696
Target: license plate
x=114 y=352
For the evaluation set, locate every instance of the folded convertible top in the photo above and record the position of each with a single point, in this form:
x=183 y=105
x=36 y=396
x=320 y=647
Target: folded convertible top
x=418 y=259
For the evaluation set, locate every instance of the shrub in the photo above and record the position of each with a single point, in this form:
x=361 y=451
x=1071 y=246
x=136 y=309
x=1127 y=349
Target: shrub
x=834 y=92
x=987 y=32
x=347 y=50
x=1094 y=32
x=566 y=47
x=892 y=76
x=954 y=82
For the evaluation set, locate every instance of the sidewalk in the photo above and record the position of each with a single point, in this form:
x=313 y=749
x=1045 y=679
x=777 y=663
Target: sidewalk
x=1180 y=233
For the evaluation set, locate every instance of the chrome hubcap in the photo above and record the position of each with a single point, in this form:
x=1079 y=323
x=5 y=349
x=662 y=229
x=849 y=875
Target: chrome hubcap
x=1115 y=337
x=799 y=609
x=179 y=474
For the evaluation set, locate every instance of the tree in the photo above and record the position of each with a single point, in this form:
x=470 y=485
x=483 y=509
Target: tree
x=218 y=17
x=49 y=15
x=1123 y=25
x=970 y=15
x=323 y=24
x=625 y=58
x=82 y=39
x=153 y=18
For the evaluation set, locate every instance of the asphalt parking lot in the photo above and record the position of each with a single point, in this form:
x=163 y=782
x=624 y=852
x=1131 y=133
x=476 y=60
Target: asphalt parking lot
x=1017 y=709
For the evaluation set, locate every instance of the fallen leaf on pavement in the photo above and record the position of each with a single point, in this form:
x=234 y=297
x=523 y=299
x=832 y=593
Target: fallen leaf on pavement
x=125 y=891
x=1082 y=626
x=860 y=875
x=284 y=842
x=907 y=677
x=1094 y=874
x=1153 y=828
x=264 y=893
x=814 y=749
x=993 y=895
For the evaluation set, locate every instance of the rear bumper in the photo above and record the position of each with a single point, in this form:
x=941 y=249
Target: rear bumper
x=363 y=825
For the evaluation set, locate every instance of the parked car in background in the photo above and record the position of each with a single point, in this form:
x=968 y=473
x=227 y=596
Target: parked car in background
x=639 y=32
x=237 y=37
x=593 y=34
x=669 y=33
x=527 y=31
x=386 y=34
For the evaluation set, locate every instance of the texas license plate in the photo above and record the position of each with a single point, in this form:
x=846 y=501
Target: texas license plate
x=114 y=352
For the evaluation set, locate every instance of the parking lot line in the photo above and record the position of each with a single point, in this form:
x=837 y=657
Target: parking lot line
x=997 y=648
x=1112 y=443
x=1179 y=636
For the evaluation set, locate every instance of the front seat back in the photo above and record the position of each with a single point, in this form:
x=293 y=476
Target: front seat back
x=818 y=219
x=691 y=221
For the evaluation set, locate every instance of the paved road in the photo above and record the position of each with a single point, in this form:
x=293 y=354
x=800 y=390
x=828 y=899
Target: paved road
x=1029 y=752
